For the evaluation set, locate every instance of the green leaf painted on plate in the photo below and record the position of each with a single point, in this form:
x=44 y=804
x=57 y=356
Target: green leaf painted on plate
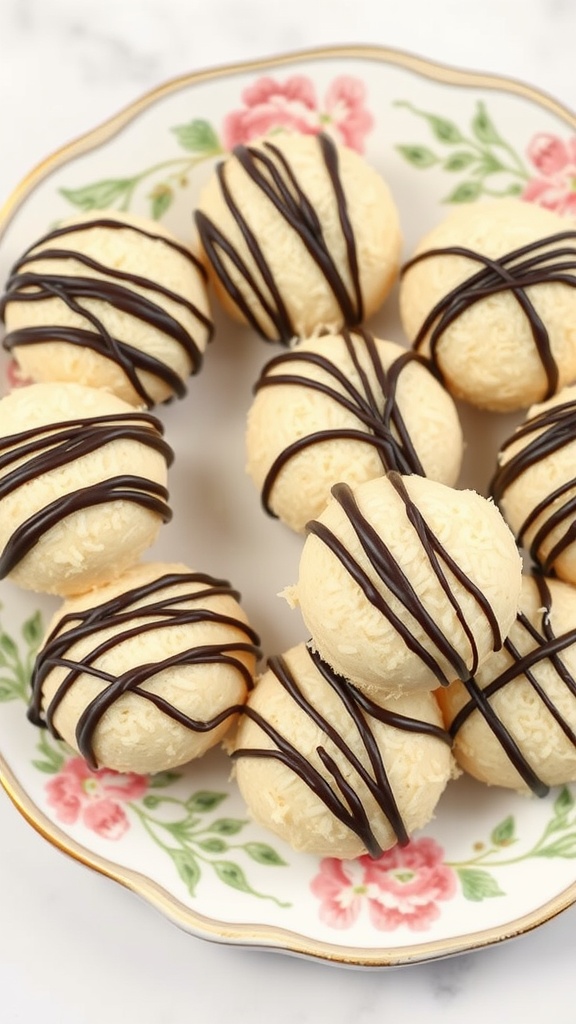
x=32 y=630
x=503 y=834
x=418 y=156
x=513 y=189
x=162 y=779
x=99 y=194
x=231 y=874
x=182 y=830
x=52 y=759
x=488 y=164
x=264 y=854
x=459 y=160
x=8 y=646
x=198 y=136
x=564 y=802
x=444 y=130
x=45 y=766
x=8 y=691
x=187 y=867
x=151 y=802
x=483 y=127
x=478 y=885
x=466 y=192
x=213 y=845
x=15 y=680
x=564 y=846
x=227 y=826
x=161 y=200
x=204 y=800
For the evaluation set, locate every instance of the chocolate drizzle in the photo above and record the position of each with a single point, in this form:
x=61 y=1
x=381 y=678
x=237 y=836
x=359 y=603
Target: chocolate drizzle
x=547 y=647
x=546 y=433
x=332 y=788
x=29 y=454
x=125 y=614
x=515 y=272
x=115 y=289
x=270 y=170
x=437 y=645
x=381 y=423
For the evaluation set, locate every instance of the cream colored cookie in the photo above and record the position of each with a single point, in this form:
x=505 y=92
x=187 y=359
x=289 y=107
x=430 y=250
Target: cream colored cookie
x=330 y=771
x=156 y=665
x=346 y=408
x=515 y=724
x=112 y=301
x=535 y=483
x=82 y=486
x=405 y=583
x=491 y=297
x=298 y=233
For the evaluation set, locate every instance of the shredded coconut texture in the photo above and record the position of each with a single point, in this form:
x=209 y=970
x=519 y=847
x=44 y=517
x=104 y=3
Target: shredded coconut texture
x=418 y=766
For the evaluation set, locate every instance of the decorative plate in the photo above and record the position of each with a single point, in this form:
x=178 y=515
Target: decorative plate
x=491 y=865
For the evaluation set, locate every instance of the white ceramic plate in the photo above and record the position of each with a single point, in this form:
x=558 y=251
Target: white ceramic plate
x=492 y=865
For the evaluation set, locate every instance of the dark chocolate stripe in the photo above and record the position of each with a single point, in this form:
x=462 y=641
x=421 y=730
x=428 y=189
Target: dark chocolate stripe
x=27 y=455
x=381 y=424
x=270 y=170
x=390 y=572
x=339 y=795
x=543 y=435
x=515 y=272
x=26 y=285
x=117 y=225
x=547 y=647
x=128 y=618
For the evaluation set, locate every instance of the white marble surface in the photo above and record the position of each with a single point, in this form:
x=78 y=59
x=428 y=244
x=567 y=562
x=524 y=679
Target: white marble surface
x=74 y=947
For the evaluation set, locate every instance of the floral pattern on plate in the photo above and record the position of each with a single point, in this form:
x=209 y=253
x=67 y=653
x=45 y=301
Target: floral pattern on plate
x=267 y=106
x=492 y=166
x=405 y=886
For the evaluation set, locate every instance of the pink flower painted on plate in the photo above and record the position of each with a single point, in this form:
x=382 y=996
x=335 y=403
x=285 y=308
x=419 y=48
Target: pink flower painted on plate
x=292 y=105
x=555 y=184
x=341 y=888
x=402 y=887
x=412 y=881
x=15 y=377
x=94 y=798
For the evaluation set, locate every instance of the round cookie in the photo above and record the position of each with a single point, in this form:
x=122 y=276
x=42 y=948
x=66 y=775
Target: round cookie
x=298 y=233
x=405 y=583
x=347 y=408
x=112 y=301
x=535 y=483
x=514 y=724
x=82 y=486
x=145 y=673
x=490 y=296
x=330 y=771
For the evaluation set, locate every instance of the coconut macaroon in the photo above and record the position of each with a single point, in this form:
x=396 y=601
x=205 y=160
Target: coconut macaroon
x=490 y=296
x=145 y=673
x=298 y=233
x=329 y=770
x=112 y=301
x=535 y=483
x=514 y=724
x=346 y=407
x=405 y=583
x=82 y=486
